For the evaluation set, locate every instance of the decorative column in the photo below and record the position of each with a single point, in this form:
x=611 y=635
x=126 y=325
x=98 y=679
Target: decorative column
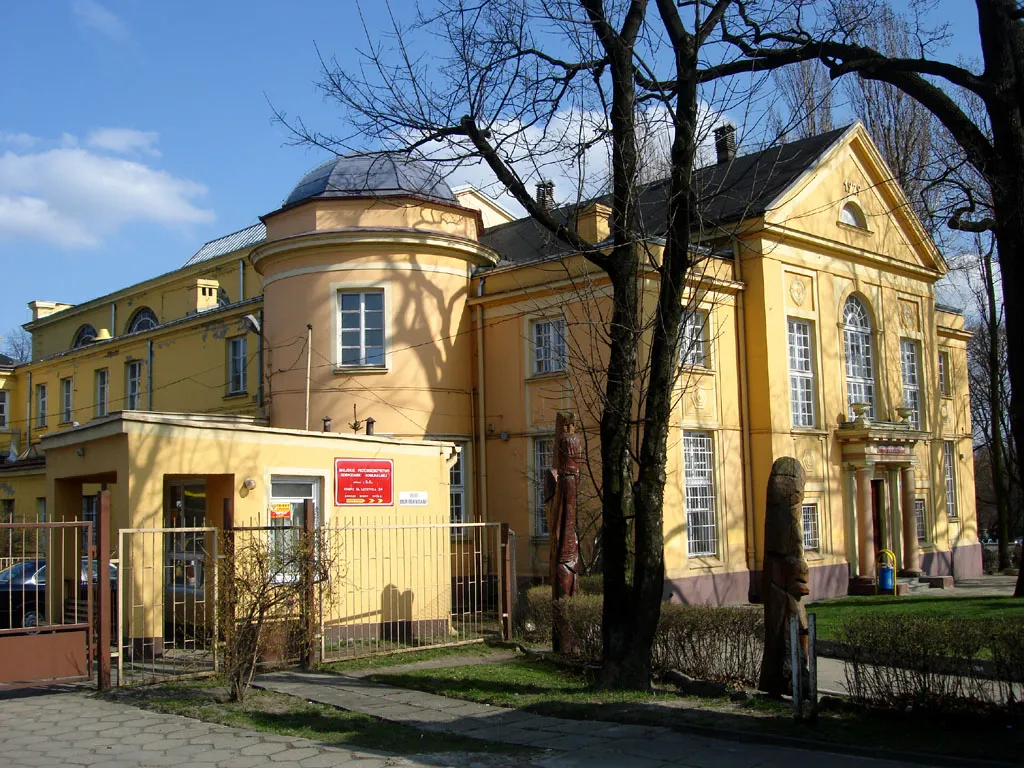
x=911 y=562
x=865 y=526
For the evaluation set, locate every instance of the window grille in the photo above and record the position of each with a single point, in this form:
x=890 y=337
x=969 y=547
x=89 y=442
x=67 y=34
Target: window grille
x=801 y=373
x=911 y=381
x=860 y=375
x=809 y=513
x=548 y=346
x=701 y=525
x=362 y=328
x=948 y=463
x=543 y=459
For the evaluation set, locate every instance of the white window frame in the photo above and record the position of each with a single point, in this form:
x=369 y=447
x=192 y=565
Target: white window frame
x=699 y=494
x=693 y=339
x=102 y=392
x=944 y=373
x=4 y=408
x=143 y=320
x=458 y=509
x=921 y=520
x=543 y=460
x=364 y=350
x=910 y=368
x=547 y=337
x=949 y=471
x=133 y=386
x=237 y=360
x=41 y=405
x=67 y=400
x=810 y=526
x=275 y=537
x=802 y=389
x=859 y=363
x=852 y=215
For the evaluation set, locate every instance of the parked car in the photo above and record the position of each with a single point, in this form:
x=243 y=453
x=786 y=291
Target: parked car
x=23 y=591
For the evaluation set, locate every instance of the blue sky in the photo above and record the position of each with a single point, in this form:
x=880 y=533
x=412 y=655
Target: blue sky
x=131 y=132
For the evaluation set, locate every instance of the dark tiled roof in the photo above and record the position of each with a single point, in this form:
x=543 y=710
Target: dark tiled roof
x=7 y=362
x=728 y=192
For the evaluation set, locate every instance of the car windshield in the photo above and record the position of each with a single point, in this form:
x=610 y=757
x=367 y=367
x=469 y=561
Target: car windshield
x=17 y=574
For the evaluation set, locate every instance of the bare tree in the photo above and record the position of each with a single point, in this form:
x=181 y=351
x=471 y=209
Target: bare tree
x=17 y=345
x=495 y=84
x=806 y=91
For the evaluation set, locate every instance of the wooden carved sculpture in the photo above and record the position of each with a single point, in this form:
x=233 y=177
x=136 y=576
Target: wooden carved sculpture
x=784 y=575
x=561 y=486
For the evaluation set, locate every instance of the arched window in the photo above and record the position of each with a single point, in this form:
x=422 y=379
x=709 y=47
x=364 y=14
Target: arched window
x=85 y=335
x=144 y=319
x=860 y=372
x=852 y=214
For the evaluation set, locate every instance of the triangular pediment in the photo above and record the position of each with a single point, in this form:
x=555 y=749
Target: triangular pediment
x=879 y=220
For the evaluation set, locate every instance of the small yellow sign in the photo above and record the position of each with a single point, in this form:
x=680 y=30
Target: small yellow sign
x=282 y=510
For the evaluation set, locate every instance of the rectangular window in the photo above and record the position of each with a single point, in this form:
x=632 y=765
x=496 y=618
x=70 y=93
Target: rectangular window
x=948 y=463
x=361 y=315
x=133 y=386
x=944 y=374
x=4 y=408
x=809 y=513
x=548 y=346
x=543 y=460
x=701 y=523
x=40 y=509
x=911 y=381
x=91 y=514
x=288 y=497
x=457 y=493
x=922 y=534
x=236 y=365
x=801 y=373
x=693 y=347
x=6 y=510
x=40 y=405
x=102 y=388
x=66 y=400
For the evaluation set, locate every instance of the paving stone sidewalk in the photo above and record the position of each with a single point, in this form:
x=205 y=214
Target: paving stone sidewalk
x=577 y=743
x=73 y=728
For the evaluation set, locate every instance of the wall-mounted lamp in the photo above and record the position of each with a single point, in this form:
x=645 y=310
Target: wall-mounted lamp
x=249 y=483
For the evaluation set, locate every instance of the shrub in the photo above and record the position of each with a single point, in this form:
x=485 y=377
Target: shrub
x=1006 y=642
x=536 y=613
x=592 y=585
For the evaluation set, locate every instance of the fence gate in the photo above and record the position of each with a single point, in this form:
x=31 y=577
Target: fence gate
x=167 y=622
x=47 y=597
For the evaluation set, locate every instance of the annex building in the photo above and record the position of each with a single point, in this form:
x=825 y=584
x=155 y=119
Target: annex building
x=380 y=315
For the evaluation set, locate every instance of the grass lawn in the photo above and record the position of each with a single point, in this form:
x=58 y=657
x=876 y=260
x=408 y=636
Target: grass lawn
x=474 y=650
x=206 y=699
x=833 y=613
x=544 y=688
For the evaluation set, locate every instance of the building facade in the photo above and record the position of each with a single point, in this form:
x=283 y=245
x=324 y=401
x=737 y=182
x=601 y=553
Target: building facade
x=377 y=299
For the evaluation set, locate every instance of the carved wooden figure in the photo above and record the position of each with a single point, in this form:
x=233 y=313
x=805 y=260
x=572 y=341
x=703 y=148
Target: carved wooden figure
x=784 y=575
x=560 y=491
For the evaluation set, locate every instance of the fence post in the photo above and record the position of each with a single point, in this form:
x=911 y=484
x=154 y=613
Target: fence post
x=307 y=549
x=506 y=585
x=103 y=587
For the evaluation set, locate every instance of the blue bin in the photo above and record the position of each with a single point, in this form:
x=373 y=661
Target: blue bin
x=886 y=578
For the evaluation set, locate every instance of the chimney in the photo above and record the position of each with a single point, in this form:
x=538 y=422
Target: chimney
x=546 y=194
x=725 y=143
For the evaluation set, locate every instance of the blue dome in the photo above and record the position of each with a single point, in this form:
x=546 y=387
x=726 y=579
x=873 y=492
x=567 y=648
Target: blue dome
x=380 y=175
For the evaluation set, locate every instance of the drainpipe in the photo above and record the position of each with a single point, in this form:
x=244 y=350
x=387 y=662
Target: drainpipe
x=259 y=363
x=309 y=364
x=481 y=405
x=149 y=375
x=748 y=486
x=113 y=319
x=241 y=279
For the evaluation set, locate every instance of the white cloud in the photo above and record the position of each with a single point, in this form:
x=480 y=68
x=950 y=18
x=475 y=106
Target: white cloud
x=124 y=141
x=19 y=140
x=73 y=197
x=95 y=16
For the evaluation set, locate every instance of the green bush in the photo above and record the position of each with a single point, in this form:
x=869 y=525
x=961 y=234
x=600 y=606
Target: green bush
x=536 y=613
x=1006 y=642
x=592 y=585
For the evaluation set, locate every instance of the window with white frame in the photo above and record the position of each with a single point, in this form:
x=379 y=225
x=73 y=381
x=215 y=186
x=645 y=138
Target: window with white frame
x=102 y=391
x=860 y=372
x=288 y=496
x=133 y=386
x=41 y=405
x=4 y=408
x=699 y=475
x=236 y=365
x=944 y=374
x=457 y=493
x=144 y=319
x=693 y=345
x=543 y=460
x=851 y=215
x=66 y=400
x=911 y=381
x=361 y=320
x=949 y=465
x=809 y=514
x=801 y=373
x=548 y=345
x=922 y=531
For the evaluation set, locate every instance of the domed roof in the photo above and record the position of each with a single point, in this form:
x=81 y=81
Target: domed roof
x=387 y=174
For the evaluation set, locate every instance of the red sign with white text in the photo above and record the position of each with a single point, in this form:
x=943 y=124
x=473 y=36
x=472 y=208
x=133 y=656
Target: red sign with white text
x=369 y=482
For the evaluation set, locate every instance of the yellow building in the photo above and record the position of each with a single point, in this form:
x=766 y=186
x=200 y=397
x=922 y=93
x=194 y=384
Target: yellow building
x=377 y=300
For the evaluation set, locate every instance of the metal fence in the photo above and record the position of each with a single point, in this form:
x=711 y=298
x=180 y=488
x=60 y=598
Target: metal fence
x=166 y=606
